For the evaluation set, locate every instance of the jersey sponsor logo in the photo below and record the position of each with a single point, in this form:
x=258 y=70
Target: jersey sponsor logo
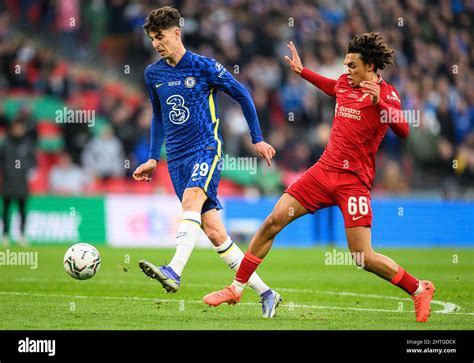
x=174 y=83
x=190 y=82
x=393 y=97
x=179 y=113
x=347 y=112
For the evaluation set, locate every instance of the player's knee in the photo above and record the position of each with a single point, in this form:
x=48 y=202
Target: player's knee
x=365 y=260
x=272 y=224
x=215 y=235
x=188 y=204
x=192 y=199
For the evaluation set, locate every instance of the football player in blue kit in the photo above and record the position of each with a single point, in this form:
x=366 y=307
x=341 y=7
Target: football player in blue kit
x=183 y=87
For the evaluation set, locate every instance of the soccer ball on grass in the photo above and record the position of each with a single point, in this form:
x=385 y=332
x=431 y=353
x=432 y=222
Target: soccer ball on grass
x=82 y=261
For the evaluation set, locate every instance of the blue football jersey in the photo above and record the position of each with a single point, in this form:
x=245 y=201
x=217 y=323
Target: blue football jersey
x=184 y=101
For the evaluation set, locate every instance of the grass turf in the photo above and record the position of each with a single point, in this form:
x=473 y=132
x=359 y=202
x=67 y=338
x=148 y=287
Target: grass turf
x=316 y=295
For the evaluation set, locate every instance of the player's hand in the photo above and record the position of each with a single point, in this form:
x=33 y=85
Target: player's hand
x=373 y=89
x=265 y=151
x=143 y=171
x=294 y=63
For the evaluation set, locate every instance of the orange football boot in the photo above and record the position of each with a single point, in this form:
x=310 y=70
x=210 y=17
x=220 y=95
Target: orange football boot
x=228 y=295
x=422 y=301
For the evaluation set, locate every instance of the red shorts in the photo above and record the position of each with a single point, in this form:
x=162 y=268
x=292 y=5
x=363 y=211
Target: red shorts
x=318 y=188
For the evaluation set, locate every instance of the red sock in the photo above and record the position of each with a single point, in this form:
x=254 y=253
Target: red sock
x=405 y=281
x=247 y=267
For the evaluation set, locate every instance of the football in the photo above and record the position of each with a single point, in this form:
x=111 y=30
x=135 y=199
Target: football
x=82 y=261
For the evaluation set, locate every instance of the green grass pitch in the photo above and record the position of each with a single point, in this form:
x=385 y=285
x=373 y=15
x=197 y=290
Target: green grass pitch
x=315 y=295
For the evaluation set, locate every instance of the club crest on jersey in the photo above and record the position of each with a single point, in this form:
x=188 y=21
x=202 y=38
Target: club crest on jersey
x=190 y=82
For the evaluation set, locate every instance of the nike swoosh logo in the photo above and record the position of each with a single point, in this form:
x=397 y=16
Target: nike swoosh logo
x=194 y=179
x=356 y=218
x=159 y=85
x=342 y=90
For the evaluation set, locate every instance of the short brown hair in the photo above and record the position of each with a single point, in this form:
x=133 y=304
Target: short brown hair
x=372 y=49
x=163 y=18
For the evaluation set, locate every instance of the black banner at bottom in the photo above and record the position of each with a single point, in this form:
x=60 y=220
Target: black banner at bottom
x=290 y=346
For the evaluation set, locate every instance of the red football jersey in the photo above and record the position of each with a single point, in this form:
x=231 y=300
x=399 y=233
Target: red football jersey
x=357 y=128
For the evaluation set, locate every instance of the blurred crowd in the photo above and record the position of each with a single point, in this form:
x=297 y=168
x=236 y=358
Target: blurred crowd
x=96 y=41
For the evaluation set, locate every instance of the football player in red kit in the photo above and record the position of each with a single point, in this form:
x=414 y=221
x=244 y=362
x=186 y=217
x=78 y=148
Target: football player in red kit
x=366 y=106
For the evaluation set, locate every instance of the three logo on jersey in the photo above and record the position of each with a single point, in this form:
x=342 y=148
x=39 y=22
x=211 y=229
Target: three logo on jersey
x=179 y=113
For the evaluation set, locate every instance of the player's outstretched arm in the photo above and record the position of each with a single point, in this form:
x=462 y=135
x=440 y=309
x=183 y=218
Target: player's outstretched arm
x=143 y=172
x=262 y=149
x=220 y=78
x=157 y=136
x=324 y=84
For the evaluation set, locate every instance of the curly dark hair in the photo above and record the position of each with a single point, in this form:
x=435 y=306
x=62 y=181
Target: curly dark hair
x=372 y=49
x=165 y=17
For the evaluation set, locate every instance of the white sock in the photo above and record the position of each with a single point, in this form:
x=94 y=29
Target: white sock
x=232 y=256
x=419 y=289
x=188 y=232
x=239 y=287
